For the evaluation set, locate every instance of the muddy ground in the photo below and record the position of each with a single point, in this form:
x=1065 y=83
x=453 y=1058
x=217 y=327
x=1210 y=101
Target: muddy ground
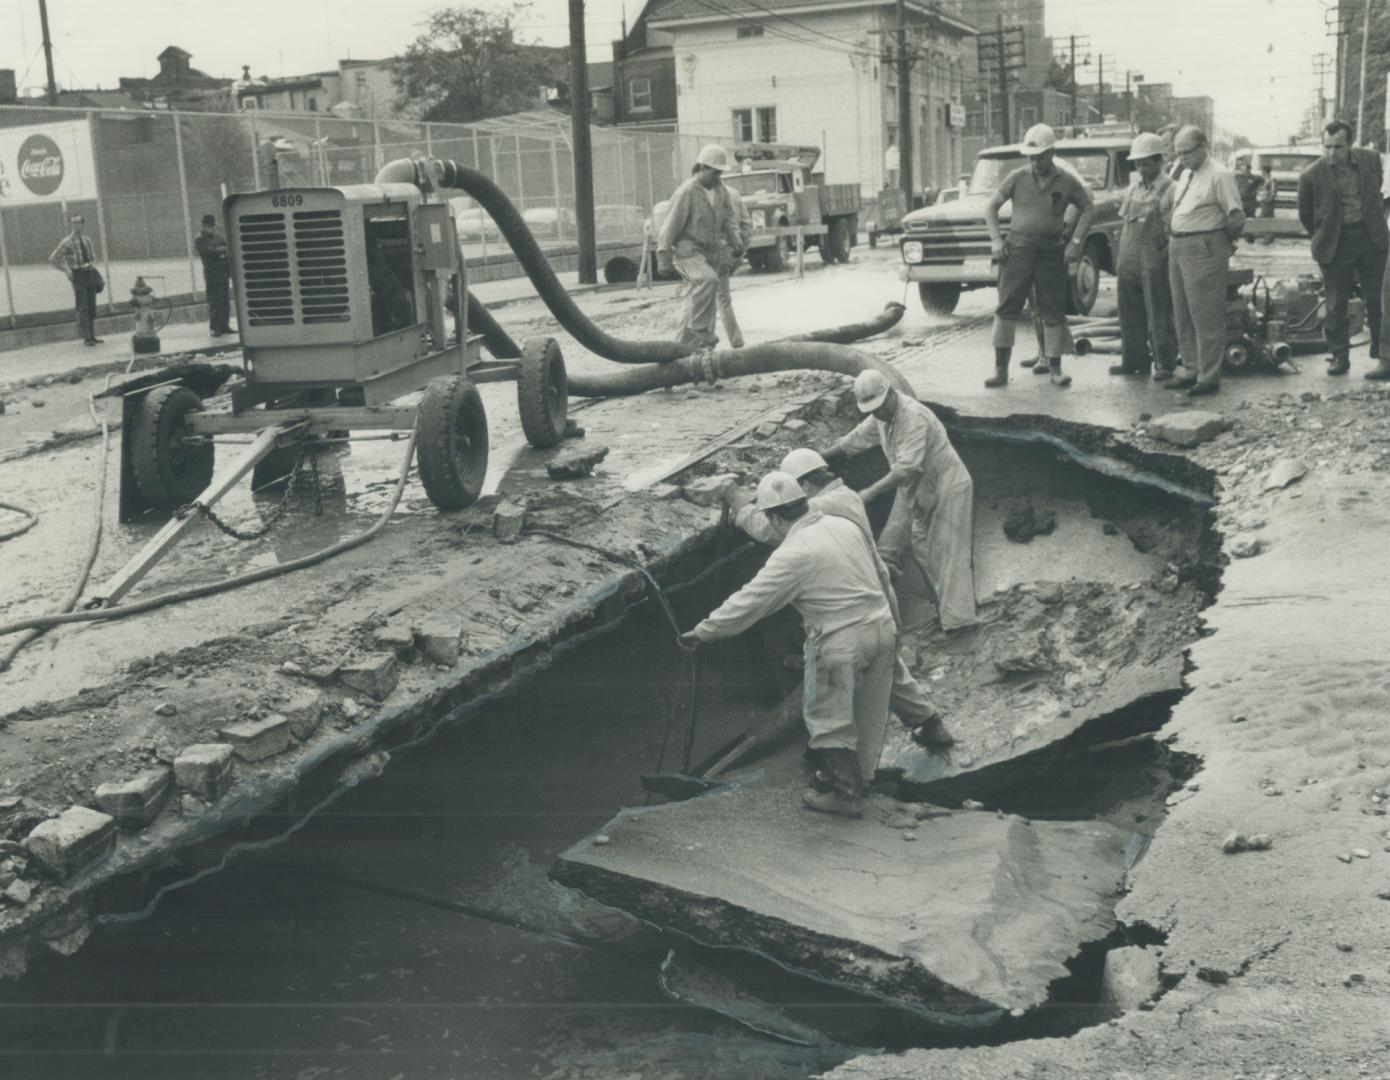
x=1274 y=963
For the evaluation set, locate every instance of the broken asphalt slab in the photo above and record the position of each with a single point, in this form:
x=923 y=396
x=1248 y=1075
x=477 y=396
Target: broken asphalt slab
x=973 y=920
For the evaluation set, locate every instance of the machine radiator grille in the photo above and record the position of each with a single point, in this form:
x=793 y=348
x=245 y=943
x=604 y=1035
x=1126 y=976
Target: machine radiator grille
x=321 y=266
x=265 y=260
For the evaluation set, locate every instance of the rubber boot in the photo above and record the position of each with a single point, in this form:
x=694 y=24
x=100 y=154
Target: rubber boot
x=1340 y=364
x=1001 y=368
x=1054 y=371
x=847 y=796
x=931 y=732
x=1379 y=373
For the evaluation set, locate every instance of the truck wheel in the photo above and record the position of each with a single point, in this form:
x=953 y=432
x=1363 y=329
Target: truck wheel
x=452 y=442
x=1083 y=284
x=542 y=392
x=838 y=241
x=827 y=249
x=938 y=298
x=776 y=257
x=168 y=471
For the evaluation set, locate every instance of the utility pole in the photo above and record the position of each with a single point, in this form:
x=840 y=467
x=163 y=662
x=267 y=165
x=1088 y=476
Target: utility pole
x=1361 y=93
x=583 y=148
x=1336 y=27
x=904 y=65
x=1001 y=52
x=1003 y=79
x=1073 y=41
x=1100 y=89
x=48 y=53
x=1322 y=64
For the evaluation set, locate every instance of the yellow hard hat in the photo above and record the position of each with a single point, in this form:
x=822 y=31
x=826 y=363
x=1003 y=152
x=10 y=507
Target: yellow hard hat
x=1038 y=139
x=715 y=157
x=870 y=389
x=801 y=461
x=1146 y=144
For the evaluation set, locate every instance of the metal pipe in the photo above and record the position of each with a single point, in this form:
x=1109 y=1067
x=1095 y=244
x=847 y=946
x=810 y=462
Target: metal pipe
x=1279 y=351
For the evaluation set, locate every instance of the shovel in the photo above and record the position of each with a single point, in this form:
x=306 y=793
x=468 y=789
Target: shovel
x=772 y=730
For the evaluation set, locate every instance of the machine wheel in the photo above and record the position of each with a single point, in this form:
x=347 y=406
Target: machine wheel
x=1241 y=355
x=838 y=239
x=168 y=472
x=938 y=298
x=542 y=392
x=776 y=258
x=452 y=442
x=1083 y=284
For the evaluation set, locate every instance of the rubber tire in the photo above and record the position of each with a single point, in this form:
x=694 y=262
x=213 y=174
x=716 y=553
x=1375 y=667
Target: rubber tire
x=827 y=252
x=1086 y=276
x=542 y=392
x=838 y=240
x=776 y=257
x=619 y=270
x=452 y=442
x=938 y=298
x=167 y=475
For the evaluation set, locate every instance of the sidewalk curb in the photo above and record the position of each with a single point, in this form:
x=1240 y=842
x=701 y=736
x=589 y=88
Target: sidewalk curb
x=142 y=363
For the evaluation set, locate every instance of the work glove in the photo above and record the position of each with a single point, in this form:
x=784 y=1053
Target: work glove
x=665 y=263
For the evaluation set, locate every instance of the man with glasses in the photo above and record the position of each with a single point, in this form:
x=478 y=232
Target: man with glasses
x=1339 y=204
x=1207 y=219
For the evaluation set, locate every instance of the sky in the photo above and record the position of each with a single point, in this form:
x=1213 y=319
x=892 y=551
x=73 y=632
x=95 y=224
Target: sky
x=1255 y=57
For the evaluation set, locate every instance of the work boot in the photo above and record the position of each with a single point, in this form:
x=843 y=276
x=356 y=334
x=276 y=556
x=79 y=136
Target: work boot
x=847 y=795
x=1125 y=369
x=1340 y=364
x=1001 y=368
x=1042 y=367
x=1031 y=362
x=931 y=732
x=1054 y=371
x=1162 y=375
x=1380 y=372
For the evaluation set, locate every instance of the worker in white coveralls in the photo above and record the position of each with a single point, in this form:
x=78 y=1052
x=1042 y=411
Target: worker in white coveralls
x=830 y=495
x=928 y=541
x=824 y=566
x=702 y=217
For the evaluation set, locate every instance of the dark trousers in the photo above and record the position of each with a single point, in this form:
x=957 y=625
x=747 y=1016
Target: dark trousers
x=1354 y=261
x=219 y=304
x=1147 y=333
x=84 y=296
x=1037 y=268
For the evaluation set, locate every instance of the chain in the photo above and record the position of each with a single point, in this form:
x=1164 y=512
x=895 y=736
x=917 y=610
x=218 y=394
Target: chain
x=270 y=520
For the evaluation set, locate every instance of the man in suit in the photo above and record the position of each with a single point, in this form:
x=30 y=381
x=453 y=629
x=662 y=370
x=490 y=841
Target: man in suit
x=1339 y=204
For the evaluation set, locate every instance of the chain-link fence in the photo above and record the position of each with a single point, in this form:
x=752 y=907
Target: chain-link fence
x=143 y=180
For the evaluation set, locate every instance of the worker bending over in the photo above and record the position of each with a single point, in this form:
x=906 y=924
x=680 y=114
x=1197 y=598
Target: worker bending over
x=702 y=215
x=1036 y=256
x=824 y=567
x=928 y=541
x=830 y=495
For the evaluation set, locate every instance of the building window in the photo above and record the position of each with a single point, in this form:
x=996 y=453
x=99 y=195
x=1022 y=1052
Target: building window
x=313 y=104
x=750 y=30
x=743 y=125
x=639 y=95
x=767 y=125
x=1027 y=116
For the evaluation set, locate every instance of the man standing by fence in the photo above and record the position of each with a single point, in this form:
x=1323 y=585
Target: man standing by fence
x=212 y=249
x=75 y=257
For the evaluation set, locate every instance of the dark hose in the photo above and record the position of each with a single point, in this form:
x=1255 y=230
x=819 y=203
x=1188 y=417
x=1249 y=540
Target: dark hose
x=891 y=315
x=450 y=174
x=789 y=355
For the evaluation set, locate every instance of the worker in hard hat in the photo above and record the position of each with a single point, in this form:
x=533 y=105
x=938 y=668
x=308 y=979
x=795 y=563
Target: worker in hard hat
x=702 y=215
x=1036 y=256
x=1149 y=338
x=823 y=566
x=928 y=541
x=831 y=495
x=727 y=263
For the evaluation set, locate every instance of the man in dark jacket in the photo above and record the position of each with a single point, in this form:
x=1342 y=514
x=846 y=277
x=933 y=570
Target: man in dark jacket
x=212 y=249
x=1339 y=205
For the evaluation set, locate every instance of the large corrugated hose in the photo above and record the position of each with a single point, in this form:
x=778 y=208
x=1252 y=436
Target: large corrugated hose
x=789 y=355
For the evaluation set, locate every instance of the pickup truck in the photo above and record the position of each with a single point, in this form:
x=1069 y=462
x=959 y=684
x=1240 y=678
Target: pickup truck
x=1285 y=162
x=945 y=248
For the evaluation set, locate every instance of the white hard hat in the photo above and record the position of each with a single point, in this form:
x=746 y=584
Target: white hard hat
x=1038 y=138
x=1146 y=144
x=870 y=389
x=777 y=489
x=801 y=461
x=714 y=156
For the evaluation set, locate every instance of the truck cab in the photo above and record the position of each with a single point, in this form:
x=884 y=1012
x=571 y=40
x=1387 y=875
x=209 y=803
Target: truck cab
x=1286 y=163
x=945 y=248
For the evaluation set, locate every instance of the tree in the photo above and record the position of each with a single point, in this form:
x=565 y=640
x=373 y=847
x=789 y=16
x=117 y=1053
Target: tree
x=469 y=64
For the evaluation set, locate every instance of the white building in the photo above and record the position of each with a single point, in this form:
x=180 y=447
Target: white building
x=820 y=72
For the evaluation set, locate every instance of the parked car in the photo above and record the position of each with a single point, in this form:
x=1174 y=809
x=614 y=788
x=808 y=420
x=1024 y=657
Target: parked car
x=945 y=248
x=618 y=222
x=551 y=222
x=473 y=223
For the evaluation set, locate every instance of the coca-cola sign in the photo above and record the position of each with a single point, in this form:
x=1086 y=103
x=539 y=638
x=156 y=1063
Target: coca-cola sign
x=40 y=164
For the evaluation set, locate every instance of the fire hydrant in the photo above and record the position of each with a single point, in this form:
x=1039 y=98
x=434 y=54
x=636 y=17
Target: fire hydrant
x=146 y=336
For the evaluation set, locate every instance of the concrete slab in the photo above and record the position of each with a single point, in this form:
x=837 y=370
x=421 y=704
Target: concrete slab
x=976 y=918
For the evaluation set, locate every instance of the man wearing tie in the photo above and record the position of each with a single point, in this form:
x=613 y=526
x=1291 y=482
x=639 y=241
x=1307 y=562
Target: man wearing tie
x=74 y=257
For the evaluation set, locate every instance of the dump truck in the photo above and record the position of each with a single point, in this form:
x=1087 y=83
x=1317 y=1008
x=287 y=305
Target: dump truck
x=781 y=190
x=945 y=248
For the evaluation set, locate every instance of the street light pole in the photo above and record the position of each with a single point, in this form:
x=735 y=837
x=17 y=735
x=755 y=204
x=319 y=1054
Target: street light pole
x=53 y=83
x=583 y=148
